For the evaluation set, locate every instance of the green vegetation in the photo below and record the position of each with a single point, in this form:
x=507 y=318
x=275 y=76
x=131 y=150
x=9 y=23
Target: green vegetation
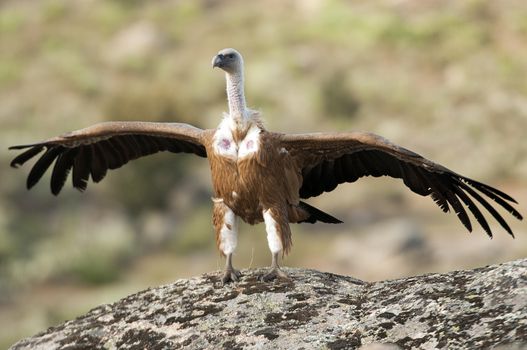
x=443 y=78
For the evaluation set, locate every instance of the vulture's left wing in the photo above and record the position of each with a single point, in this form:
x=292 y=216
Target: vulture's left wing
x=329 y=159
x=96 y=149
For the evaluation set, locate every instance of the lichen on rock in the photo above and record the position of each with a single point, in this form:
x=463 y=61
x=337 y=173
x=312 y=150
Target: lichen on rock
x=472 y=309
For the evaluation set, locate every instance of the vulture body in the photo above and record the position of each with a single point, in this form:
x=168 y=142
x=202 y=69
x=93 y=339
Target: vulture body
x=258 y=175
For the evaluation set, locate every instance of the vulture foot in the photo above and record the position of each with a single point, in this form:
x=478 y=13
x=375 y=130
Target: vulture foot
x=231 y=275
x=274 y=273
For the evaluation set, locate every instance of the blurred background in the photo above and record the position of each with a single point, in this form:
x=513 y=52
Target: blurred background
x=446 y=79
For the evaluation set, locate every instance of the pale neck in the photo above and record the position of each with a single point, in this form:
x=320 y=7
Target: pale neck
x=236 y=96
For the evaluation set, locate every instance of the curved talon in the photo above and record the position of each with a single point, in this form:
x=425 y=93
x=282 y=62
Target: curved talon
x=274 y=273
x=231 y=275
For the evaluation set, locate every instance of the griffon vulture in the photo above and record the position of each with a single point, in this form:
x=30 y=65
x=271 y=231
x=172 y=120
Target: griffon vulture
x=259 y=175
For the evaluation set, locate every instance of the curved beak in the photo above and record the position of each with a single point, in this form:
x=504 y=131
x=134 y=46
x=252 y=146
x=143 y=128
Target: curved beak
x=217 y=61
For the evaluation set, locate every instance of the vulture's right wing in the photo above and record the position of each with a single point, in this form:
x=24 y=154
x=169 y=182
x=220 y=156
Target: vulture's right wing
x=329 y=159
x=109 y=145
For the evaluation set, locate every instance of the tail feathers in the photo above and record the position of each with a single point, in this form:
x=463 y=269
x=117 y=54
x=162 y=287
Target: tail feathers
x=317 y=215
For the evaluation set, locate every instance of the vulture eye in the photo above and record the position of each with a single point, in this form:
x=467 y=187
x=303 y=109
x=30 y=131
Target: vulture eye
x=230 y=55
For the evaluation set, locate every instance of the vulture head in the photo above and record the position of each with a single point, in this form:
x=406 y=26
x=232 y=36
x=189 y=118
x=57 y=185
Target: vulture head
x=229 y=60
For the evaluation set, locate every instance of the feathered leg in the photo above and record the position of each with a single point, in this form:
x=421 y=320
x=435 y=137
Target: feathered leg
x=226 y=227
x=278 y=238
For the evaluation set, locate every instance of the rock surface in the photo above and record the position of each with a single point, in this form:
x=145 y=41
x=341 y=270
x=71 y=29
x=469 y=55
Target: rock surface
x=473 y=309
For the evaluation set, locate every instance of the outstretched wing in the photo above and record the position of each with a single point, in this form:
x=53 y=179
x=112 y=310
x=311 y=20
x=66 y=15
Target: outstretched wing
x=327 y=160
x=110 y=145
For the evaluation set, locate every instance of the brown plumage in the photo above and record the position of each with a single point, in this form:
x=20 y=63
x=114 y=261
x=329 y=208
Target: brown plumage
x=94 y=150
x=257 y=175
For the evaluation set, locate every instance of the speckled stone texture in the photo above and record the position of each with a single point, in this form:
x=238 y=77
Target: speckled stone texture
x=474 y=309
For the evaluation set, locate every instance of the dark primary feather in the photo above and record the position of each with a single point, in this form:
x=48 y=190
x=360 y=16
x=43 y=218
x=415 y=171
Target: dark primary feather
x=331 y=159
x=25 y=156
x=61 y=169
x=81 y=169
x=94 y=156
x=42 y=165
